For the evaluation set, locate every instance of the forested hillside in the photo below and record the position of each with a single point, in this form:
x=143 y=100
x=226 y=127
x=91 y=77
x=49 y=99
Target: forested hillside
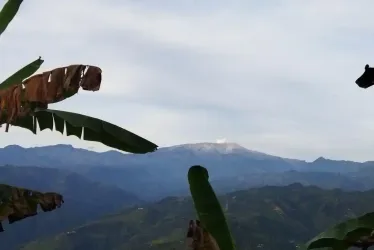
x=85 y=200
x=287 y=215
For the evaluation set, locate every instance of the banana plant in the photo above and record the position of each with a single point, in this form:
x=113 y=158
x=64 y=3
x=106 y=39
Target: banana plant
x=209 y=211
x=366 y=80
x=356 y=232
x=198 y=237
x=19 y=203
x=212 y=232
x=24 y=100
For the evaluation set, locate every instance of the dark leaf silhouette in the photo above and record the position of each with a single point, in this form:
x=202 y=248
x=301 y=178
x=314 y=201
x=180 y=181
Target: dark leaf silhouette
x=19 y=203
x=366 y=80
x=8 y=12
x=91 y=128
x=208 y=208
x=357 y=232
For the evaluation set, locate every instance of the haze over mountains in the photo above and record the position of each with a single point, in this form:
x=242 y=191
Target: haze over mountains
x=66 y=156
x=60 y=156
x=96 y=184
x=289 y=216
x=162 y=173
x=85 y=200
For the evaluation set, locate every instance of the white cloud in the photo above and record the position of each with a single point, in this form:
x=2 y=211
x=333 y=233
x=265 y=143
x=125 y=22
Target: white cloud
x=223 y=140
x=274 y=77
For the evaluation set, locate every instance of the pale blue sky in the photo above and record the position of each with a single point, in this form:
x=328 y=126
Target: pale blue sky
x=275 y=77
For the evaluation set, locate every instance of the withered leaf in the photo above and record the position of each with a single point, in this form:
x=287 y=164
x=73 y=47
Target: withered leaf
x=48 y=87
x=198 y=238
x=19 y=203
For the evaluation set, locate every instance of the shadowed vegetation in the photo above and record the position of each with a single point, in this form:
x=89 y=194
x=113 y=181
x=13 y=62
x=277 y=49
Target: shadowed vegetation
x=290 y=216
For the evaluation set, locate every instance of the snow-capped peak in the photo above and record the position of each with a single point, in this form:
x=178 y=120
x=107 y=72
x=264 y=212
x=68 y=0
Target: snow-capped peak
x=222 y=147
x=211 y=147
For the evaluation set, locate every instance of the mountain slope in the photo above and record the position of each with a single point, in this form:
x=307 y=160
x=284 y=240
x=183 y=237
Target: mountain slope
x=163 y=173
x=217 y=155
x=156 y=183
x=326 y=180
x=65 y=156
x=287 y=215
x=85 y=200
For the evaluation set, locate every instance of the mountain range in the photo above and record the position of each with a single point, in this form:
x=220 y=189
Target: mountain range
x=66 y=156
x=155 y=175
x=96 y=184
x=265 y=218
x=85 y=200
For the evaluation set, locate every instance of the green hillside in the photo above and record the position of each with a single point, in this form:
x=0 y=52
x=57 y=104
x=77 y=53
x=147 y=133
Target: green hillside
x=263 y=218
x=85 y=201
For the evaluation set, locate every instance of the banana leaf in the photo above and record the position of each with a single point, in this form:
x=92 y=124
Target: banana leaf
x=355 y=232
x=198 y=238
x=208 y=209
x=8 y=12
x=94 y=129
x=18 y=203
x=22 y=74
x=366 y=80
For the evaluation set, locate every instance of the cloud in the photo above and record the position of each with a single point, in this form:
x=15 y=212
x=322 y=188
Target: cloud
x=276 y=77
x=223 y=140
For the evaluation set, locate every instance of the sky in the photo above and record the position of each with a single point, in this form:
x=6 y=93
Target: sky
x=273 y=76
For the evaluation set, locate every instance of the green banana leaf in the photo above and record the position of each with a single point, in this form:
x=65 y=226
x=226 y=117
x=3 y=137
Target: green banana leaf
x=353 y=232
x=22 y=74
x=8 y=12
x=18 y=203
x=94 y=129
x=208 y=209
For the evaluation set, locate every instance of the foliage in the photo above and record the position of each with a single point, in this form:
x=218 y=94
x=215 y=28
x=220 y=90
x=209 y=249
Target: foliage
x=8 y=12
x=85 y=200
x=289 y=216
x=24 y=102
x=366 y=80
x=208 y=208
x=19 y=203
x=94 y=129
x=198 y=237
x=357 y=232
x=21 y=74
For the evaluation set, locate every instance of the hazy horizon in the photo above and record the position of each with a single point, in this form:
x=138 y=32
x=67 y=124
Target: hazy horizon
x=275 y=77
x=106 y=149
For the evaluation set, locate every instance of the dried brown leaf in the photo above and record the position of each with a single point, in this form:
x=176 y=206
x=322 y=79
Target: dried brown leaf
x=198 y=238
x=45 y=88
x=60 y=83
x=19 y=203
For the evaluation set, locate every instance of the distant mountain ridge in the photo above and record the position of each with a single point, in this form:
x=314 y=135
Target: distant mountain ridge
x=96 y=183
x=78 y=156
x=164 y=172
x=222 y=148
x=63 y=155
x=85 y=200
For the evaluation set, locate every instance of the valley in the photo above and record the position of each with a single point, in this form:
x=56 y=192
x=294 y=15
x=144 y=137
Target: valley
x=95 y=193
x=289 y=216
